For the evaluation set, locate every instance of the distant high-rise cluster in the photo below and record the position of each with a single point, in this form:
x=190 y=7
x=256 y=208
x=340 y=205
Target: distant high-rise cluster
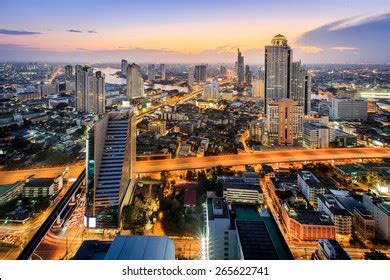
x=287 y=93
x=90 y=90
x=200 y=74
x=135 y=82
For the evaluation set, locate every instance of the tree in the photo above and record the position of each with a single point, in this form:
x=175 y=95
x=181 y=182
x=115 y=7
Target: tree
x=129 y=216
x=20 y=143
x=375 y=255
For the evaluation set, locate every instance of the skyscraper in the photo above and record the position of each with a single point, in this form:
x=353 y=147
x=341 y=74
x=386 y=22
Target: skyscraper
x=285 y=122
x=90 y=90
x=135 y=82
x=258 y=88
x=240 y=69
x=210 y=92
x=191 y=76
x=111 y=154
x=68 y=72
x=162 y=71
x=124 y=67
x=248 y=75
x=278 y=58
x=151 y=72
x=200 y=73
x=301 y=85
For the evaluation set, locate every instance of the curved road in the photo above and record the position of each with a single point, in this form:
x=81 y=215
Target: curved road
x=261 y=157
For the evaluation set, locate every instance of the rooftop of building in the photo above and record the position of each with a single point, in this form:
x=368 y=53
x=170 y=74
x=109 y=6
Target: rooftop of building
x=363 y=212
x=92 y=250
x=308 y=217
x=241 y=186
x=331 y=201
x=141 y=248
x=7 y=187
x=310 y=179
x=245 y=212
x=39 y=182
x=337 y=252
x=255 y=240
x=217 y=208
x=314 y=125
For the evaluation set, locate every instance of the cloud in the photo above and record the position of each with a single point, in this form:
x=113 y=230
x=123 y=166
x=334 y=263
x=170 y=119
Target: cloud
x=343 y=48
x=341 y=39
x=308 y=49
x=74 y=31
x=18 y=32
x=91 y=31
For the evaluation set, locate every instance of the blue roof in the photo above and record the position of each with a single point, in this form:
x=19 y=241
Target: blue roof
x=141 y=248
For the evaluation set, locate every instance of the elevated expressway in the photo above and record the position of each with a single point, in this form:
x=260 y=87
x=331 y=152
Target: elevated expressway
x=261 y=157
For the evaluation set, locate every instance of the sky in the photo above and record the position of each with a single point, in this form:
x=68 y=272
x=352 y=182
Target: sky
x=198 y=31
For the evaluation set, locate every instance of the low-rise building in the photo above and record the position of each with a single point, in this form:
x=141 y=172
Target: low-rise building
x=310 y=186
x=39 y=187
x=379 y=208
x=307 y=225
x=330 y=249
x=364 y=223
x=10 y=191
x=315 y=135
x=340 y=216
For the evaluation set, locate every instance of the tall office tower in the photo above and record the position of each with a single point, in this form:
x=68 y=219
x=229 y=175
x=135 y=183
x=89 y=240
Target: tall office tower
x=258 y=88
x=162 y=71
x=151 y=72
x=191 y=76
x=110 y=158
x=68 y=72
x=124 y=67
x=200 y=73
x=90 y=91
x=300 y=86
x=240 y=69
x=248 y=75
x=285 y=122
x=135 y=82
x=278 y=58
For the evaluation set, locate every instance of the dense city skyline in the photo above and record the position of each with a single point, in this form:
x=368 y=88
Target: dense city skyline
x=172 y=32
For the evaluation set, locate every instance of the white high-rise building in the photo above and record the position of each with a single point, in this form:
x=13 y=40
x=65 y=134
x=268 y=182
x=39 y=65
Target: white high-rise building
x=162 y=71
x=151 y=72
x=285 y=122
x=90 y=91
x=348 y=109
x=210 y=92
x=278 y=58
x=135 y=82
x=258 y=88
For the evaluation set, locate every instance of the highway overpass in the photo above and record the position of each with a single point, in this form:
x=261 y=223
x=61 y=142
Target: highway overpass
x=261 y=157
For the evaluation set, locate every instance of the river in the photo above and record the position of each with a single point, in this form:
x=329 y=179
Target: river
x=112 y=78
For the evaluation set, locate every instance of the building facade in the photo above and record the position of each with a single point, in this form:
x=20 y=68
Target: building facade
x=135 y=82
